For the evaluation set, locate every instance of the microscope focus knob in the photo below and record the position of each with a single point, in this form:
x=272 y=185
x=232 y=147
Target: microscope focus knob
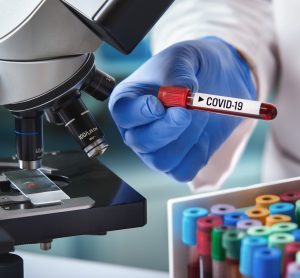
x=100 y=85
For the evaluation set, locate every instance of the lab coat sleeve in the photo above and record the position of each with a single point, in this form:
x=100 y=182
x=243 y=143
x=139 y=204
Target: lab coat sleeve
x=247 y=25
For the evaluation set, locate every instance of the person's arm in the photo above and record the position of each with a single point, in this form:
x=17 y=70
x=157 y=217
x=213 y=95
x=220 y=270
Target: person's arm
x=248 y=26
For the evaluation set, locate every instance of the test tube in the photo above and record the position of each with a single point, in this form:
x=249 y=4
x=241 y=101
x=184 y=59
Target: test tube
x=262 y=231
x=183 y=97
x=279 y=240
x=232 y=218
x=246 y=224
x=293 y=270
x=283 y=208
x=298 y=257
x=249 y=245
x=232 y=244
x=289 y=255
x=189 y=238
x=290 y=197
x=221 y=209
x=205 y=226
x=258 y=213
x=218 y=252
x=277 y=218
x=284 y=227
x=267 y=262
x=264 y=201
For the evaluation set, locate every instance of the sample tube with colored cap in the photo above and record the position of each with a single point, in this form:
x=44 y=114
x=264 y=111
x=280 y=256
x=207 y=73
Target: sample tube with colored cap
x=267 y=262
x=232 y=218
x=290 y=197
x=218 y=252
x=183 y=97
x=221 y=209
x=249 y=245
x=246 y=224
x=264 y=201
x=277 y=218
x=189 y=238
x=279 y=240
x=289 y=254
x=232 y=244
x=205 y=226
x=258 y=213
x=283 y=208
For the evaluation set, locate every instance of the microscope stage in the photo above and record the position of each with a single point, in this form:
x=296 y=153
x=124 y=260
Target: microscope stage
x=99 y=201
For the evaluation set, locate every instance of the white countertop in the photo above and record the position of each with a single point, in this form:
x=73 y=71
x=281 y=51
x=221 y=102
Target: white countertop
x=37 y=266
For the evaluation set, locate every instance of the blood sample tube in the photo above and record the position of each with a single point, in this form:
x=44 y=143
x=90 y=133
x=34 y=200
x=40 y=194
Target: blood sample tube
x=284 y=227
x=262 y=231
x=289 y=255
x=205 y=226
x=258 y=213
x=290 y=197
x=177 y=96
x=189 y=238
x=267 y=263
x=249 y=245
x=221 y=209
x=218 y=252
x=232 y=243
x=296 y=234
x=264 y=201
x=232 y=218
x=246 y=224
x=298 y=257
x=277 y=218
x=283 y=208
x=293 y=270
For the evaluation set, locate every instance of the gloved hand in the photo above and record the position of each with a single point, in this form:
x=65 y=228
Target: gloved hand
x=178 y=141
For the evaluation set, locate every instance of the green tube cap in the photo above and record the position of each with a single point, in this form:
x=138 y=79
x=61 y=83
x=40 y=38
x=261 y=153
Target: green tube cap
x=261 y=231
x=279 y=240
x=231 y=242
x=298 y=257
x=218 y=252
x=284 y=227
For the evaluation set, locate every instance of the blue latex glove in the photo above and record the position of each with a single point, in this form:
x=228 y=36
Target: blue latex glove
x=178 y=141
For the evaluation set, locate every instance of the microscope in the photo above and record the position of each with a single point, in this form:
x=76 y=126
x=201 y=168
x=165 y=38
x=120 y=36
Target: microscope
x=46 y=63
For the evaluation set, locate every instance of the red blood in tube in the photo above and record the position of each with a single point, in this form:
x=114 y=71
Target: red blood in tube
x=205 y=226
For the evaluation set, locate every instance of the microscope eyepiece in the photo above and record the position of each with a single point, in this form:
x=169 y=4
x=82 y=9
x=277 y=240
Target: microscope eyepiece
x=81 y=124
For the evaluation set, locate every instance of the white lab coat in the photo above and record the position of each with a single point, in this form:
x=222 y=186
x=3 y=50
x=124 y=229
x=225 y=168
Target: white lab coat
x=268 y=34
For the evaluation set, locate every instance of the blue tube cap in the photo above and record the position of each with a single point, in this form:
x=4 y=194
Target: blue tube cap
x=296 y=234
x=283 y=208
x=267 y=262
x=189 y=224
x=249 y=246
x=232 y=218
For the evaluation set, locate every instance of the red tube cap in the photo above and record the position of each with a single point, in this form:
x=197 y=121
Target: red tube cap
x=205 y=226
x=173 y=96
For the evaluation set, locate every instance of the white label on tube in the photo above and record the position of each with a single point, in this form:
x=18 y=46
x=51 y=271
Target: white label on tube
x=214 y=102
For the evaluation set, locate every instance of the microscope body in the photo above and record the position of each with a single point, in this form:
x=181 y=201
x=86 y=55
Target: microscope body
x=46 y=61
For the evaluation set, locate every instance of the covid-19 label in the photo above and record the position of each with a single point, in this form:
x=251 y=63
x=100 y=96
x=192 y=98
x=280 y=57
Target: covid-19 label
x=218 y=103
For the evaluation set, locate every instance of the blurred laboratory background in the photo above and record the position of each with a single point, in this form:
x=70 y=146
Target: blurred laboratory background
x=145 y=247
